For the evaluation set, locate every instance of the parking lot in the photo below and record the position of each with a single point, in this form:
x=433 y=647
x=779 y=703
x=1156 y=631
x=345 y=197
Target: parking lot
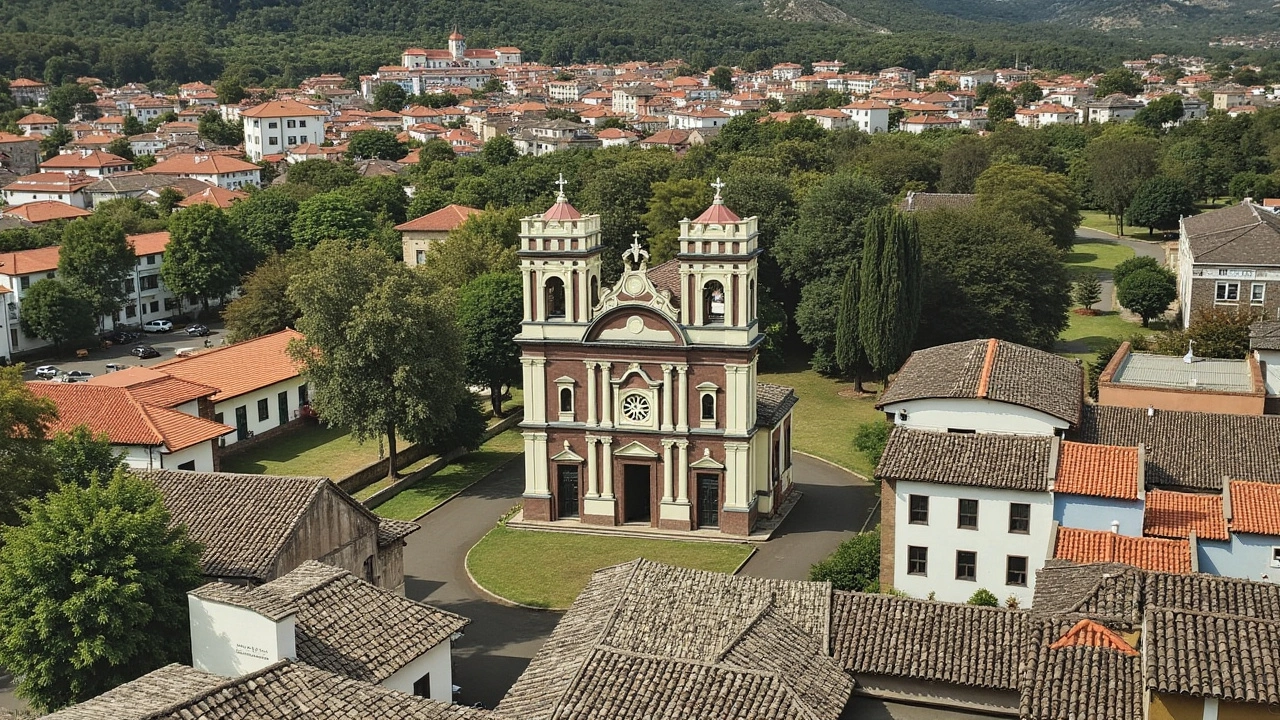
x=166 y=343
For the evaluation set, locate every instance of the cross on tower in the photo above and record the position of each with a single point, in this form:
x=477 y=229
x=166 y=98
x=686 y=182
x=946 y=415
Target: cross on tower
x=636 y=254
x=718 y=186
x=561 y=183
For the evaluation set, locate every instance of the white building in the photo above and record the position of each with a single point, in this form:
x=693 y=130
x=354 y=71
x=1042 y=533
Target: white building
x=56 y=186
x=221 y=170
x=1115 y=107
x=275 y=126
x=972 y=79
x=93 y=163
x=697 y=119
x=327 y=618
x=829 y=119
x=1046 y=114
x=870 y=116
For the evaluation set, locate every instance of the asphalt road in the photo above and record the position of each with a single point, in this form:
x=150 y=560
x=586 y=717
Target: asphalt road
x=167 y=343
x=1140 y=248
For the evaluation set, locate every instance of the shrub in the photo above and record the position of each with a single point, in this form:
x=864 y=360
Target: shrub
x=870 y=439
x=855 y=565
x=984 y=598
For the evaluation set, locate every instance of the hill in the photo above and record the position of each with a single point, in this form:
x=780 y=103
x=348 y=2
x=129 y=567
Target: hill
x=1187 y=20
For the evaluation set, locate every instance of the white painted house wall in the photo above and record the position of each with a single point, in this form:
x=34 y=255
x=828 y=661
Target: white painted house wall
x=438 y=661
x=977 y=414
x=232 y=641
x=153 y=457
x=227 y=407
x=992 y=541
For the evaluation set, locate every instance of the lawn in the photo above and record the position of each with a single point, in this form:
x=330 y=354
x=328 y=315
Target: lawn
x=1086 y=333
x=1098 y=220
x=1099 y=256
x=827 y=414
x=417 y=499
x=549 y=569
x=311 y=451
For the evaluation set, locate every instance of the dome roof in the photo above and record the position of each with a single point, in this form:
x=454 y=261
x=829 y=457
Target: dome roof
x=718 y=213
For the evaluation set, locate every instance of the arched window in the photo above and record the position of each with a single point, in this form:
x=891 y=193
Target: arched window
x=708 y=406
x=595 y=291
x=713 y=303
x=555 y=297
x=566 y=400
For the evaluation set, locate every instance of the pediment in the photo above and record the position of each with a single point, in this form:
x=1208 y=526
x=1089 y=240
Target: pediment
x=567 y=455
x=635 y=288
x=635 y=449
x=706 y=462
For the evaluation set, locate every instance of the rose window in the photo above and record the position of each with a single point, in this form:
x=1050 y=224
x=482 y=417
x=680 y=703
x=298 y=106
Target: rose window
x=635 y=408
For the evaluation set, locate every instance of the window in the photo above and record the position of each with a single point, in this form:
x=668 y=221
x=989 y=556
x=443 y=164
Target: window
x=291 y=123
x=272 y=125
x=130 y=311
x=1015 y=571
x=555 y=297
x=264 y=411
x=966 y=565
x=1227 y=292
x=24 y=282
x=713 y=303
x=272 y=140
x=635 y=408
x=188 y=465
x=917 y=560
x=149 y=282
x=128 y=284
x=1275 y=557
x=303 y=397
x=968 y=519
x=1257 y=293
x=170 y=303
x=566 y=400
x=302 y=123
x=918 y=512
x=368 y=569
x=708 y=406
x=293 y=140
x=420 y=257
x=1019 y=518
x=422 y=686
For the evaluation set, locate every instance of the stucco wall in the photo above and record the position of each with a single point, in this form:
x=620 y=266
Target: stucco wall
x=1180 y=399
x=250 y=402
x=1095 y=513
x=974 y=414
x=1245 y=555
x=231 y=641
x=438 y=661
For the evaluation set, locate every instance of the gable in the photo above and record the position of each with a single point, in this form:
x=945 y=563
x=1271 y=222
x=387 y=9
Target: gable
x=634 y=324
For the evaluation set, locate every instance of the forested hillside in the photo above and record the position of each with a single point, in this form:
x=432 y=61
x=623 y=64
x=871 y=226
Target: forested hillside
x=1146 y=19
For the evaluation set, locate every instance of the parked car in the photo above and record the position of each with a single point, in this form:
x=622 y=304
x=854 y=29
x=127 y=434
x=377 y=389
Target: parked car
x=186 y=351
x=157 y=326
x=144 y=352
x=119 y=337
x=197 y=330
x=76 y=376
x=48 y=372
x=115 y=367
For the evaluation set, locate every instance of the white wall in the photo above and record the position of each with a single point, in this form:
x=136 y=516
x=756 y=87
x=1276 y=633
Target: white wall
x=438 y=661
x=250 y=401
x=974 y=414
x=201 y=454
x=231 y=641
x=992 y=541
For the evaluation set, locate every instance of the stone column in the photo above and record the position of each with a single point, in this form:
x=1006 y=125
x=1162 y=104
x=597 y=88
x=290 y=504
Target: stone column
x=682 y=425
x=593 y=477
x=591 y=393
x=607 y=474
x=682 y=482
x=730 y=307
x=606 y=391
x=667 y=471
x=666 y=397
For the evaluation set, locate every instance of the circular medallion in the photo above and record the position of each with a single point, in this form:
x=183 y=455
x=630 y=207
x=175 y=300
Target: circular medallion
x=636 y=408
x=634 y=285
x=635 y=324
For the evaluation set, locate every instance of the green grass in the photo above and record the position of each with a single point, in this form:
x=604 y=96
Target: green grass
x=1099 y=256
x=312 y=451
x=549 y=569
x=417 y=499
x=827 y=415
x=1086 y=333
x=1098 y=220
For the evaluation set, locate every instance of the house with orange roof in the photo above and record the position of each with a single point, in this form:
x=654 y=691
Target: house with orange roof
x=869 y=116
x=37 y=124
x=213 y=195
x=917 y=124
x=149 y=434
x=48 y=186
x=1148 y=553
x=611 y=137
x=698 y=118
x=829 y=119
x=1046 y=114
x=26 y=91
x=1100 y=487
x=417 y=234
x=273 y=126
x=221 y=170
x=93 y=163
x=19 y=154
x=43 y=211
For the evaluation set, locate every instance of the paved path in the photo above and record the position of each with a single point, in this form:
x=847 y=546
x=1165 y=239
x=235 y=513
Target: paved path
x=1140 y=248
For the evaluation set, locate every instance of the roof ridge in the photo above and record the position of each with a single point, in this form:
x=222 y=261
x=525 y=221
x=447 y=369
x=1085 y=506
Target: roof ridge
x=733 y=642
x=146 y=416
x=1110 y=639
x=220 y=687
x=988 y=364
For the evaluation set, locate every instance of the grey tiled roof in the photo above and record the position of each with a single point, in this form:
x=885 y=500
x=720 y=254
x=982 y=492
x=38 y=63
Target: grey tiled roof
x=1107 y=590
x=1079 y=682
x=1190 y=450
x=1210 y=593
x=1265 y=335
x=13 y=223
x=389 y=531
x=772 y=403
x=930 y=641
x=1241 y=234
x=922 y=202
x=284 y=691
x=1010 y=462
x=1228 y=657
x=656 y=642
x=1017 y=374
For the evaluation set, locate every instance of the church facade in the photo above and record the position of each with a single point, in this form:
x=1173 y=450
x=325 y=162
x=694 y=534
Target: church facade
x=642 y=406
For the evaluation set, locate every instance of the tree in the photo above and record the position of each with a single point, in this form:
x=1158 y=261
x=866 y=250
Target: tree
x=389 y=96
x=382 y=349
x=1001 y=107
x=1164 y=110
x=132 y=126
x=94 y=259
x=851 y=358
x=1131 y=265
x=1041 y=199
x=323 y=175
x=230 y=90
x=25 y=466
x=93 y=590
x=1118 y=80
x=1147 y=292
x=121 y=147
x=381 y=195
x=65 y=99
x=375 y=144
x=51 y=143
x=854 y=566
x=817 y=321
x=983 y=597
x=489 y=315
x=263 y=305
x=1026 y=93
x=81 y=457
x=1160 y=203
x=1119 y=164
x=53 y=311
x=330 y=216
x=1087 y=291
x=485 y=243
x=205 y=256
x=962 y=163
x=671 y=202
x=889 y=302
x=1218 y=332
x=498 y=151
x=870 y=438
x=722 y=79
x=213 y=128
x=827 y=235
x=265 y=220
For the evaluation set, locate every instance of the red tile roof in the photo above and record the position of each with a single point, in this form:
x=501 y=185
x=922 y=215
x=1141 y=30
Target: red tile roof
x=36 y=118
x=213 y=195
x=149 y=243
x=282 y=108
x=1088 y=633
x=51 y=182
x=88 y=159
x=154 y=387
x=46 y=210
x=1176 y=514
x=1255 y=507
x=192 y=164
x=124 y=418
x=717 y=214
x=1148 y=553
x=25 y=262
x=1106 y=471
x=561 y=211
x=240 y=368
x=445 y=219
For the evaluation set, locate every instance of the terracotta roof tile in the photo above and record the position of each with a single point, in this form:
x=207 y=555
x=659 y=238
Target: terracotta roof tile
x=447 y=218
x=25 y=262
x=1173 y=514
x=239 y=368
x=213 y=195
x=1106 y=471
x=124 y=419
x=90 y=159
x=282 y=108
x=1148 y=553
x=1096 y=675
x=149 y=243
x=154 y=387
x=717 y=214
x=1089 y=633
x=1255 y=507
x=200 y=164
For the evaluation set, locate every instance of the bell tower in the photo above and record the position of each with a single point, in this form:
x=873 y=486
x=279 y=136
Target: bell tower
x=718 y=273
x=560 y=264
x=457 y=45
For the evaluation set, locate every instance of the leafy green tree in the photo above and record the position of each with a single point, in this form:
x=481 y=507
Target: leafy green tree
x=827 y=235
x=27 y=469
x=870 y=438
x=984 y=92
x=154 y=123
x=263 y=305
x=93 y=590
x=851 y=358
x=213 y=128
x=1254 y=185
x=230 y=90
x=489 y=315
x=323 y=175
x=205 y=256
x=79 y=457
x=132 y=126
x=1041 y=199
x=121 y=147
x=330 y=216
x=485 y=243
x=1147 y=293
x=389 y=96
x=1118 y=80
x=132 y=214
x=375 y=144
x=382 y=349
x=854 y=566
x=983 y=597
x=962 y=163
x=1221 y=332
x=1131 y=265
x=94 y=259
x=265 y=220
x=381 y=195
x=1160 y=203
x=671 y=202
x=817 y=321
x=722 y=79
x=1087 y=290
x=51 y=143
x=434 y=100
x=1164 y=110
x=1001 y=107
x=498 y=151
x=53 y=311
x=889 y=296
x=1026 y=93
x=65 y=99
x=1119 y=164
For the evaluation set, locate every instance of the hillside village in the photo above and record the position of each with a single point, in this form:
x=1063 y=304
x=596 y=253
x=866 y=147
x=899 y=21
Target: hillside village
x=532 y=290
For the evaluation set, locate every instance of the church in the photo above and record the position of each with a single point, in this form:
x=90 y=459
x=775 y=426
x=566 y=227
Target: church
x=642 y=407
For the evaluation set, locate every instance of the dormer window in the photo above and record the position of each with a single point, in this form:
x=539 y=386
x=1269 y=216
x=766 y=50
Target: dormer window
x=555 y=298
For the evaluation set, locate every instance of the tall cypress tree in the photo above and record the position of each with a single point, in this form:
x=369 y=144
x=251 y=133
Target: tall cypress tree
x=850 y=357
x=889 y=302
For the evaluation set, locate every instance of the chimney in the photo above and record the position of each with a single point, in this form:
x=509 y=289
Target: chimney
x=1115 y=526
x=237 y=630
